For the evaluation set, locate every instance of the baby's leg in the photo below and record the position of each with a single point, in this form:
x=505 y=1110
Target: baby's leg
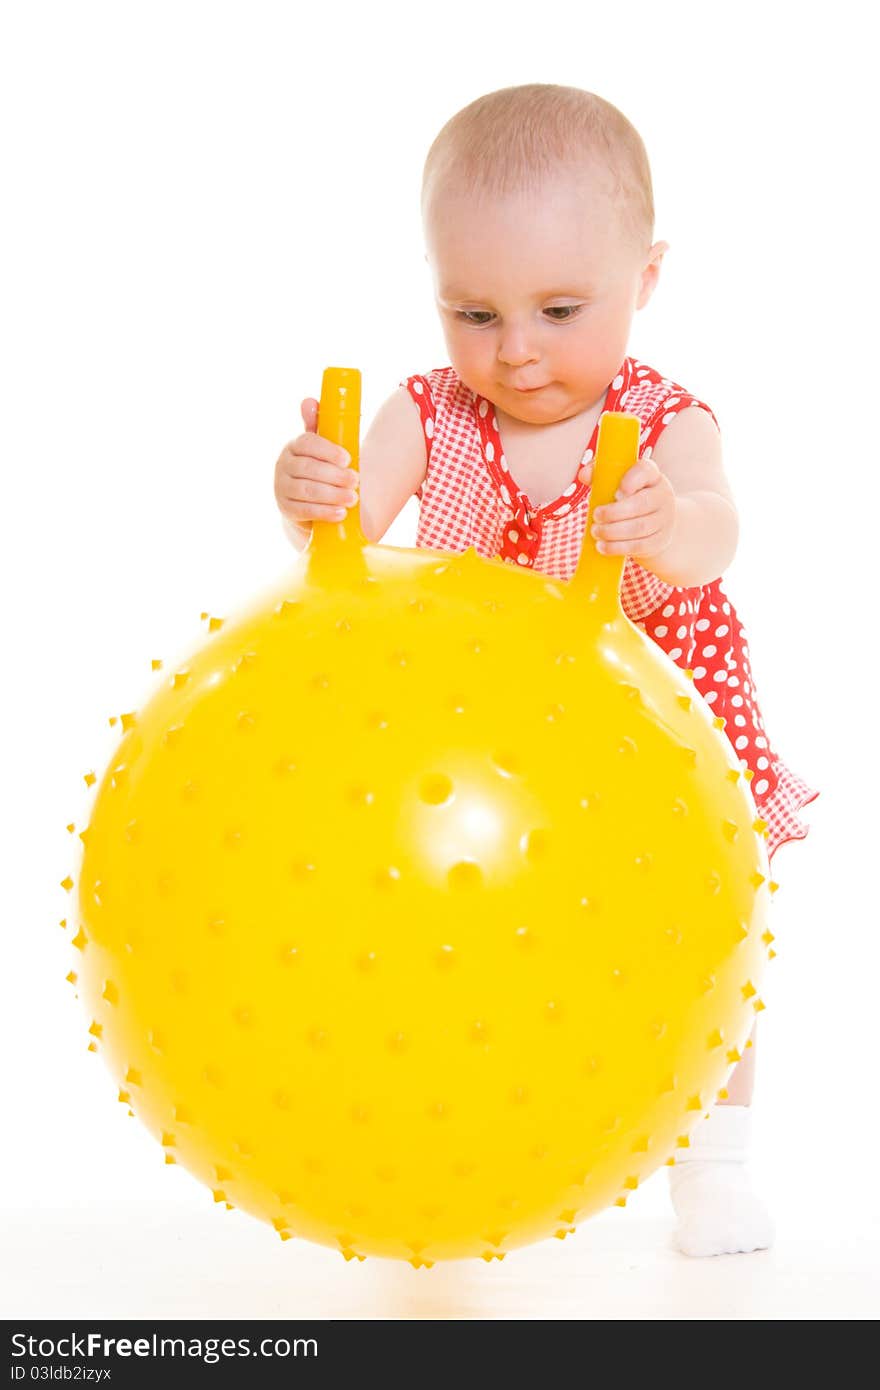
x=718 y=1213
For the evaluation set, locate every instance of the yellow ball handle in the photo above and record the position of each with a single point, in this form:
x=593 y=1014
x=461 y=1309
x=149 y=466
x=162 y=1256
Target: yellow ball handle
x=339 y=419
x=597 y=577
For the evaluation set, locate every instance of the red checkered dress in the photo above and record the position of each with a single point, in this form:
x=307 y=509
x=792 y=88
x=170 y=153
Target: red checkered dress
x=469 y=498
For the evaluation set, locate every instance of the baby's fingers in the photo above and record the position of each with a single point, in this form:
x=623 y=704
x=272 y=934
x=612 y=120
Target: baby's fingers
x=331 y=489
x=313 y=511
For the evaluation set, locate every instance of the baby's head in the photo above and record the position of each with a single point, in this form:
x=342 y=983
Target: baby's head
x=539 y=216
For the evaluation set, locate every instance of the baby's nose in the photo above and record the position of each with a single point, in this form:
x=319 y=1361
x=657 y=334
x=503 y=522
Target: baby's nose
x=515 y=348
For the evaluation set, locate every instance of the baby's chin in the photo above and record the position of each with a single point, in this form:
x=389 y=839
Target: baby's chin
x=547 y=404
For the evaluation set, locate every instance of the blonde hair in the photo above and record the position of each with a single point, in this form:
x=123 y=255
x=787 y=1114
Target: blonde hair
x=510 y=140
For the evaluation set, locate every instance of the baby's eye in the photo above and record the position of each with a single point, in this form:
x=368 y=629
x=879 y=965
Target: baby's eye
x=475 y=316
x=567 y=310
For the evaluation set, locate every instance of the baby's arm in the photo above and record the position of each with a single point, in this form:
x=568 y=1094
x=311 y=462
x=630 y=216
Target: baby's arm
x=689 y=453
x=393 y=463
x=706 y=534
x=310 y=475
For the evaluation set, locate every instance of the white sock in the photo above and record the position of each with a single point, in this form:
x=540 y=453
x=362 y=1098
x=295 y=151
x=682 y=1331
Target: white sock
x=718 y=1213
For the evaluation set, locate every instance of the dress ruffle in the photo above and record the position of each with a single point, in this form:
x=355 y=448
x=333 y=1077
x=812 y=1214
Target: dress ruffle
x=780 y=808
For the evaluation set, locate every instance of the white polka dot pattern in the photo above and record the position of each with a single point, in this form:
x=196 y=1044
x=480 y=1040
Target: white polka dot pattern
x=469 y=498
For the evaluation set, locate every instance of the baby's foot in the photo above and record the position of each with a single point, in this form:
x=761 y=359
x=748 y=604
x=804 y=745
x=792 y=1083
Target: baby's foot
x=718 y=1213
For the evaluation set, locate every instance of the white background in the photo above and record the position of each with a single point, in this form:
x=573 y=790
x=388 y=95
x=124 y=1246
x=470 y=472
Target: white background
x=204 y=205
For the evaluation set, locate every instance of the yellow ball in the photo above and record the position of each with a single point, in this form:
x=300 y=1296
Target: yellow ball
x=421 y=910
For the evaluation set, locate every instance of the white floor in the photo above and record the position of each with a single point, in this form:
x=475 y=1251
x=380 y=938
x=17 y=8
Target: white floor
x=175 y=1260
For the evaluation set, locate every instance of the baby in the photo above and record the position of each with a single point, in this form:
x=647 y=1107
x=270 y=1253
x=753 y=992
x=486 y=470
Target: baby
x=538 y=215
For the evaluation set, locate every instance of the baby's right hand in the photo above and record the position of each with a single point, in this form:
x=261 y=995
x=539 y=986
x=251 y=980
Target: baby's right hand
x=312 y=479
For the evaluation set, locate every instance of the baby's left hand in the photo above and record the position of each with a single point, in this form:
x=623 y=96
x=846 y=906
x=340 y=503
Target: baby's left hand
x=641 y=523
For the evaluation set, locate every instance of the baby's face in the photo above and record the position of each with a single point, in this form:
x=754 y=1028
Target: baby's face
x=537 y=292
